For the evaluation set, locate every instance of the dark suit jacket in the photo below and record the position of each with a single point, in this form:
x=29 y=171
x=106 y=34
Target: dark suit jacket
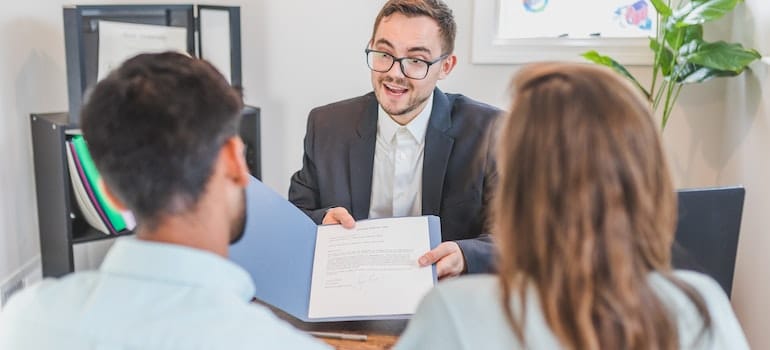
x=458 y=167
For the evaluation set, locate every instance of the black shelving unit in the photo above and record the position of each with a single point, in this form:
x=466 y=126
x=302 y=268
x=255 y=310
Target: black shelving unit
x=60 y=220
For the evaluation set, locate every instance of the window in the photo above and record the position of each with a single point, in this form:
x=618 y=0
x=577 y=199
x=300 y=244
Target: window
x=521 y=31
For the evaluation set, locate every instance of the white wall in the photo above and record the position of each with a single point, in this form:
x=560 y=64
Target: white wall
x=298 y=54
x=32 y=79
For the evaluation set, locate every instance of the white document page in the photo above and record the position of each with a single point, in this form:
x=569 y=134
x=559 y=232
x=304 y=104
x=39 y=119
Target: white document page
x=120 y=41
x=215 y=39
x=370 y=270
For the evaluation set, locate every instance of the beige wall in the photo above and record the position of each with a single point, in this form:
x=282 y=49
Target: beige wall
x=299 y=54
x=721 y=136
x=745 y=151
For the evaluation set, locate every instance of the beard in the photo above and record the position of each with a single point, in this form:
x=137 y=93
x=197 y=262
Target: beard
x=238 y=224
x=413 y=104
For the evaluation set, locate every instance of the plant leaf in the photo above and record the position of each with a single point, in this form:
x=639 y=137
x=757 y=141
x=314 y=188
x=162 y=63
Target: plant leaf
x=693 y=73
x=661 y=7
x=606 y=61
x=698 y=12
x=693 y=32
x=674 y=37
x=719 y=55
x=665 y=56
x=686 y=34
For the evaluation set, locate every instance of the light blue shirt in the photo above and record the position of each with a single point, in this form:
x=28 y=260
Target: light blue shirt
x=466 y=313
x=147 y=295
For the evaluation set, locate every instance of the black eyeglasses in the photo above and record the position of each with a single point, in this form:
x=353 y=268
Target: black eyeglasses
x=413 y=68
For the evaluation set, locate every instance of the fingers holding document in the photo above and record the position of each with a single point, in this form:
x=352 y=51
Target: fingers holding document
x=339 y=215
x=448 y=258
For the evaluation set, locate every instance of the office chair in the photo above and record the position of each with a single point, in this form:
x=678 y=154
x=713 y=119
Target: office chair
x=707 y=232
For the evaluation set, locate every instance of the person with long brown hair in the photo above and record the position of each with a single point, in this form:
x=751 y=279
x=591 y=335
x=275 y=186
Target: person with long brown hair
x=584 y=216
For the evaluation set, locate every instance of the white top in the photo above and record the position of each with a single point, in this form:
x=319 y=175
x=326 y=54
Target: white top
x=147 y=296
x=397 y=172
x=465 y=313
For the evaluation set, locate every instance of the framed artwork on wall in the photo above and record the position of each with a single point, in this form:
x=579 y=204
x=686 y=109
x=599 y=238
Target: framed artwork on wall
x=522 y=31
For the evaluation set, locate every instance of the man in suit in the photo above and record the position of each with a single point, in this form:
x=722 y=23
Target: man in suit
x=406 y=148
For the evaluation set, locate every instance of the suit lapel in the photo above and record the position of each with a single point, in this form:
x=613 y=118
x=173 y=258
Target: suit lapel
x=438 y=146
x=361 y=161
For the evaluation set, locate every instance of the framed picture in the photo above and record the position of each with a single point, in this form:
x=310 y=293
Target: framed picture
x=522 y=31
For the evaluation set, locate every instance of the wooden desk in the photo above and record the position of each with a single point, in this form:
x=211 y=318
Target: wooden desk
x=381 y=334
x=374 y=342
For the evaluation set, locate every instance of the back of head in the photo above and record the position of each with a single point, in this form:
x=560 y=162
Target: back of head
x=155 y=126
x=434 y=9
x=585 y=208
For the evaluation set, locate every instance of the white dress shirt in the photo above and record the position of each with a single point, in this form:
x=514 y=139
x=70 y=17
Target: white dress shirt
x=147 y=295
x=397 y=172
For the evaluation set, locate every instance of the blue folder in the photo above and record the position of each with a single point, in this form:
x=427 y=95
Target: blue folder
x=278 y=247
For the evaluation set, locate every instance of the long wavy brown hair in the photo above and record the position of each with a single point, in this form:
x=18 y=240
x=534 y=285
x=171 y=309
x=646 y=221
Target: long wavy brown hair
x=585 y=210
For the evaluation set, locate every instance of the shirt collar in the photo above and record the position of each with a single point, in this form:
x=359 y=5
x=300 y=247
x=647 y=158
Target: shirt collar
x=387 y=127
x=172 y=263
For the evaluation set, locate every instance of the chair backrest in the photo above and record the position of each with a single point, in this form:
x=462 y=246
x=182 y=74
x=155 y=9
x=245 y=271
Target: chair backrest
x=707 y=232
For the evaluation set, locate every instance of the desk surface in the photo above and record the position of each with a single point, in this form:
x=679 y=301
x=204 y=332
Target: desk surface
x=381 y=334
x=374 y=342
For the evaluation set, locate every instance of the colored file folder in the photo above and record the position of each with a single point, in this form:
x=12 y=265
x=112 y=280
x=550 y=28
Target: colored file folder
x=278 y=249
x=84 y=195
x=114 y=216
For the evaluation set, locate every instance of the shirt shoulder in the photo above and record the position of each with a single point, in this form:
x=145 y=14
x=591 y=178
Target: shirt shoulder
x=21 y=301
x=725 y=330
x=254 y=326
x=185 y=318
x=701 y=282
x=52 y=294
x=345 y=108
x=479 y=285
x=229 y=323
x=471 y=119
x=462 y=104
x=44 y=308
x=464 y=313
x=705 y=286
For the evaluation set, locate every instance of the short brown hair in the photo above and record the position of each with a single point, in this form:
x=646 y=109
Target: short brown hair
x=155 y=126
x=435 y=9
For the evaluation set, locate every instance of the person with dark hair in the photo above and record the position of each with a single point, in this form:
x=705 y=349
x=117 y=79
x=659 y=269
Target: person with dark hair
x=407 y=148
x=163 y=132
x=584 y=215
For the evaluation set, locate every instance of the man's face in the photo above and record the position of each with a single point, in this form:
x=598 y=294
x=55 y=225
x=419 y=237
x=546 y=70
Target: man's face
x=238 y=224
x=414 y=37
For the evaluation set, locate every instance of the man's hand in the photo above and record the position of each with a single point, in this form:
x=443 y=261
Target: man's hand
x=339 y=215
x=448 y=258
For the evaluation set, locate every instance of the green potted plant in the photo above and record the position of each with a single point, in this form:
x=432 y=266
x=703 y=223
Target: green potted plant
x=681 y=56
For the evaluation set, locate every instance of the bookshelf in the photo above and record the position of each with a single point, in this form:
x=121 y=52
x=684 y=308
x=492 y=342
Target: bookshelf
x=212 y=33
x=60 y=221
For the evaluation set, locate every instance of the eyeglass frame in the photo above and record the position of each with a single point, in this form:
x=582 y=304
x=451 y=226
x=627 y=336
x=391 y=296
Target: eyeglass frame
x=401 y=65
